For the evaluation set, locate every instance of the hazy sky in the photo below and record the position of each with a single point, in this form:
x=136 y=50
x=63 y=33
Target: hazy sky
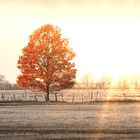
x=104 y=33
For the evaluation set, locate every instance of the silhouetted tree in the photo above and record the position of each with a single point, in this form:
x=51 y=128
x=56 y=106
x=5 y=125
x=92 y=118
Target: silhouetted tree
x=123 y=83
x=3 y=82
x=2 y=78
x=87 y=81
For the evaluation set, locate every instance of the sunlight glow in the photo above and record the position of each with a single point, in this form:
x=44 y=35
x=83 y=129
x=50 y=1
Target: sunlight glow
x=105 y=35
x=106 y=48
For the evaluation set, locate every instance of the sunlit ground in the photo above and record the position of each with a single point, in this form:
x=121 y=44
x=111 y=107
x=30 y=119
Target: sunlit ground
x=70 y=121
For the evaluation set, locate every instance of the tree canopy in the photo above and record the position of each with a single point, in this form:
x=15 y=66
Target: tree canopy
x=47 y=62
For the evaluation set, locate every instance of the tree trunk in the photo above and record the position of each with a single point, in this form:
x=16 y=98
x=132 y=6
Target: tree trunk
x=47 y=97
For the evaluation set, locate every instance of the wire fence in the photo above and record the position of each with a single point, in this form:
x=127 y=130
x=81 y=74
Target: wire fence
x=78 y=95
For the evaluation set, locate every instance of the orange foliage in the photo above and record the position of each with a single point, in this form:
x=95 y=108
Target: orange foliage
x=46 y=62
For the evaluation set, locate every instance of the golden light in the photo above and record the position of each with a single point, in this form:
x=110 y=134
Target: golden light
x=105 y=35
x=106 y=48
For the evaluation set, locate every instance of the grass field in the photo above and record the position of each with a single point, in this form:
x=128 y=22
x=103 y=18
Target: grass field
x=89 y=121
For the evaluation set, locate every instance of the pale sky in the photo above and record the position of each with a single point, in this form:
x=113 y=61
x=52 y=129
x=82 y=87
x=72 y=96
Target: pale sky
x=105 y=34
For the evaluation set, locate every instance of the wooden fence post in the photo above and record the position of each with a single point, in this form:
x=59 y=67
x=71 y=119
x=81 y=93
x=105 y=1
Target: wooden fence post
x=14 y=98
x=73 y=98
x=82 y=97
x=97 y=96
x=55 y=97
x=35 y=97
x=62 y=97
x=91 y=96
x=124 y=96
x=2 y=96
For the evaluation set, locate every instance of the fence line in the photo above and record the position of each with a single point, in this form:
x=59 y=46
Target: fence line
x=71 y=96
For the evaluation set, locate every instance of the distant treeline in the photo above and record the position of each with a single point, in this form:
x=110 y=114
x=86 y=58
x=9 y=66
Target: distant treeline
x=5 y=85
x=9 y=86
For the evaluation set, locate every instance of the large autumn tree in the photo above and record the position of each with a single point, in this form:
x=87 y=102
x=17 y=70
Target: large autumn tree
x=47 y=62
